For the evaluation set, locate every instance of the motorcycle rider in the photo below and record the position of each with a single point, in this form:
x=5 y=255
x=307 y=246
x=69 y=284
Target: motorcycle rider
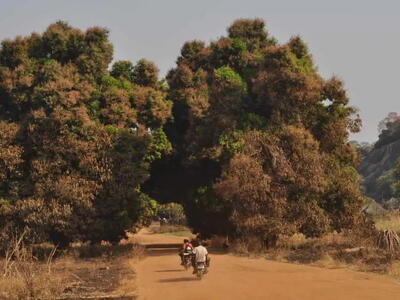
x=200 y=255
x=186 y=248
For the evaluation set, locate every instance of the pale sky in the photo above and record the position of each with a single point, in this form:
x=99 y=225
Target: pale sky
x=356 y=40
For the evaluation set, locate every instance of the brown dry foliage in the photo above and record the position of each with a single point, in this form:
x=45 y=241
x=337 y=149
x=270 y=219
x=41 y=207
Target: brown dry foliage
x=75 y=144
x=262 y=138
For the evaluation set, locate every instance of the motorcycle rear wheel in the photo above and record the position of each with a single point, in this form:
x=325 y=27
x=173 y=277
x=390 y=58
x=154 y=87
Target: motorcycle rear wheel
x=199 y=275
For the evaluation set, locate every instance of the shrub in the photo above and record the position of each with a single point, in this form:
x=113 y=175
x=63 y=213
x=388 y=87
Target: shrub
x=173 y=212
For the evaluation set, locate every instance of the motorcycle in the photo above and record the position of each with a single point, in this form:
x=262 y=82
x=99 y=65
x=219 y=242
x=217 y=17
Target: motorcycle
x=187 y=260
x=201 y=270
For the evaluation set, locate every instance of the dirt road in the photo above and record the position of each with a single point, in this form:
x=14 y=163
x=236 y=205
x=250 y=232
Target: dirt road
x=230 y=277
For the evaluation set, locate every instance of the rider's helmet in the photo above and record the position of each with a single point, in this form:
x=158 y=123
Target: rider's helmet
x=186 y=241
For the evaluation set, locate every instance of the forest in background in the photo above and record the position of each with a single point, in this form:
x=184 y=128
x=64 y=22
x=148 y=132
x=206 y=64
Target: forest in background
x=243 y=132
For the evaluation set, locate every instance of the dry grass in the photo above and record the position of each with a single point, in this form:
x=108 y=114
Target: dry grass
x=389 y=222
x=394 y=270
x=34 y=284
x=250 y=246
x=127 y=285
x=327 y=261
x=138 y=252
x=291 y=242
x=388 y=240
x=218 y=242
x=25 y=277
x=294 y=248
x=102 y=270
x=240 y=248
x=168 y=228
x=103 y=251
x=96 y=278
x=79 y=272
x=333 y=250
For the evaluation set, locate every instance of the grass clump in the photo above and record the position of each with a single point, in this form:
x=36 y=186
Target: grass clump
x=389 y=221
x=350 y=249
x=80 y=271
x=24 y=276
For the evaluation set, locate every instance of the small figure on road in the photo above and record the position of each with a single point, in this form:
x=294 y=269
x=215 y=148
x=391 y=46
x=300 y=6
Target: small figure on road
x=163 y=221
x=186 y=248
x=200 y=255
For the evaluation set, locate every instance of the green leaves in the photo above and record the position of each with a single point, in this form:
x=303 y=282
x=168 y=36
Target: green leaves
x=251 y=31
x=122 y=69
x=229 y=78
x=159 y=146
x=145 y=73
x=232 y=143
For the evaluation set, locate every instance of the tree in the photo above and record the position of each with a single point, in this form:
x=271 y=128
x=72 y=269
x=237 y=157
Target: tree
x=386 y=123
x=123 y=69
x=145 y=73
x=389 y=130
x=260 y=139
x=364 y=148
x=77 y=141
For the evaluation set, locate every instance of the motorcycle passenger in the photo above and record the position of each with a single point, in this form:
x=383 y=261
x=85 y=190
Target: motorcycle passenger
x=200 y=255
x=186 y=248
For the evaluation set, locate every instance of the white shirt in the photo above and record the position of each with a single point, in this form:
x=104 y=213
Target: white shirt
x=200 y=253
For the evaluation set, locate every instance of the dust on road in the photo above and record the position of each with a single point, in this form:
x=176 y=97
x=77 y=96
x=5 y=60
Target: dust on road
x=159 y=276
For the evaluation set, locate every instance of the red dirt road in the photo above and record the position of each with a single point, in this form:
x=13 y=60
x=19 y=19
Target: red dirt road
x=159 y=276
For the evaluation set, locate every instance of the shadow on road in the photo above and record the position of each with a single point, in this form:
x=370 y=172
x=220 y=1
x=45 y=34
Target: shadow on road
x=163 y=246
x=161 y=252
x=168 y=249
x=103 y=298
x=180 y=279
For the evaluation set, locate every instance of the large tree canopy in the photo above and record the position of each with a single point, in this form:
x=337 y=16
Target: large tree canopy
x=76 y=141
x=256 y=145
x=260 y=139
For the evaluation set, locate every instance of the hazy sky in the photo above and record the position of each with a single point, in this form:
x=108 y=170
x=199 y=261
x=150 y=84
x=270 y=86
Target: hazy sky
x=357 y=40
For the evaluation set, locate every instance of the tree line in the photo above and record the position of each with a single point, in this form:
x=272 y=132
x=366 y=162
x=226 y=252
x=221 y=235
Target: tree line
x=243 y=132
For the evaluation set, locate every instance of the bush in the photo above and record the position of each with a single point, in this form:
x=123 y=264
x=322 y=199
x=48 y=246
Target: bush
x=173 y=213
x=24 y=277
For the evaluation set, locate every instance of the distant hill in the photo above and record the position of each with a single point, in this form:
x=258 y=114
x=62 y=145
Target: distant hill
x=376 y=164
x=378 y=160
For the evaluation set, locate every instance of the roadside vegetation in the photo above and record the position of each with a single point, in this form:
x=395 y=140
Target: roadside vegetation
x=334 y=250
x=179 y=230
x=353 y=249
x=256 y=138
x=260 y=140
x=390 y=221
x=77 y=140
x=81 y=271
x=243 y=139
x=172 y=220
